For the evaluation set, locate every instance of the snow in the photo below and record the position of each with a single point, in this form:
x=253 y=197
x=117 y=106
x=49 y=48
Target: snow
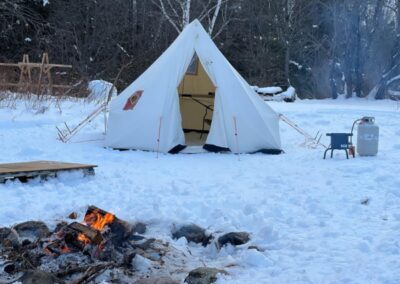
x=303 y=213
x=298 y=65
x=267 y=90
x=277 y=92
x=393 y=79
x=100 y=90
x=290 y=93
x=394 y=93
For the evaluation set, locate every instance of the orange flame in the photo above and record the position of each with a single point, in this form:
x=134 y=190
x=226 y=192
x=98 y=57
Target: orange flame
x=65 y=249
x=97 y=221
x=85 y=240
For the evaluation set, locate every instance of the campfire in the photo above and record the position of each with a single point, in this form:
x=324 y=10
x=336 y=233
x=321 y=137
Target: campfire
x=78 y=252
x=102 y=249
x=100 y=230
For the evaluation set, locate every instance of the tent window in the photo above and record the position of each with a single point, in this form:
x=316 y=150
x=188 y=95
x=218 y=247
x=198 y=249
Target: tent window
x=193 y=66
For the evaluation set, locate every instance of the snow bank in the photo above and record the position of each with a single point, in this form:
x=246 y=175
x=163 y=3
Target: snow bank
x=289 y=94
x=278 y=94
x=267 y=90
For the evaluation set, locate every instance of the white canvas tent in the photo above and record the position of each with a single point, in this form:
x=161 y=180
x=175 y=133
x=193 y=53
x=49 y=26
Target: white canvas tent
x=242 y=122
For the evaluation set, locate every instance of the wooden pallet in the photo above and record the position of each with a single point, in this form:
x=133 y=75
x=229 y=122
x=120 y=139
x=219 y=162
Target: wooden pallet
x=42 y=169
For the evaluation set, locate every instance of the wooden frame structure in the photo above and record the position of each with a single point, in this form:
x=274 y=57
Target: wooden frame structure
x=26 y=83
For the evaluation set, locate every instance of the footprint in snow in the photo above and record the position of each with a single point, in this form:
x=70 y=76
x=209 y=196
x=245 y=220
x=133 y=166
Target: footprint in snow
x=396 y=147
x=322 y=122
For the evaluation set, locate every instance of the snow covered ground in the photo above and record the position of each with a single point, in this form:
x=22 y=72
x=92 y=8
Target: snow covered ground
x=304 y=211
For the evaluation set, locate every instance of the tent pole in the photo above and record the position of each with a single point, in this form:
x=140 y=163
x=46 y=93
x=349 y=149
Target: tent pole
x=105 y=119
x=236 y=136
x=158 y=138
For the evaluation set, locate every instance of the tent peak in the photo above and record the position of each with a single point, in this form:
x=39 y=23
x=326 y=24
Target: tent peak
x=195 y=22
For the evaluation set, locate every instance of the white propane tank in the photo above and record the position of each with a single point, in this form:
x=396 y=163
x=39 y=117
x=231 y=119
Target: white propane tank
x=367 y=137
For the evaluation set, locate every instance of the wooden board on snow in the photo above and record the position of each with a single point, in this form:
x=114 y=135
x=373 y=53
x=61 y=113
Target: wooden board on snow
x=42 y=169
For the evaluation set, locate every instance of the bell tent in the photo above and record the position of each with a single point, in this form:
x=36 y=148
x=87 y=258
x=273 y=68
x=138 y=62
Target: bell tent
x=147 y=115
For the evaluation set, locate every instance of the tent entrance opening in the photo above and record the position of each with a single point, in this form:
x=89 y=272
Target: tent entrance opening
x=196 y=97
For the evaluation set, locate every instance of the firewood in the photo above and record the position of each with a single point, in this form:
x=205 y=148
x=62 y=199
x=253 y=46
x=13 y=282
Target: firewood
x=92 y=209
x=93 y=235
x=120 y=229
x=93 y=271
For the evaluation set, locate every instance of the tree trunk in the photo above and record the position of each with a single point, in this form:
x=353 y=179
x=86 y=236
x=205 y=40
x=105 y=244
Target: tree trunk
x=332 y=81
x=186 y=14
x=287 y=64
x=215 y=16
x=358 y=65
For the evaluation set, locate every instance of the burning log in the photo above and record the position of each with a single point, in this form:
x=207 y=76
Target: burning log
x=57 y=248
x=86 y=233
x=96 y=210
x=98 y=219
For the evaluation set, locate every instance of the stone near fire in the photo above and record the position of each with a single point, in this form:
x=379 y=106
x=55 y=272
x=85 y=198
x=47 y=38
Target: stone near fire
x=234 y=238
x=203 y=275
x=160 y=280
x=139 y=228
x=39 y=277
x=32 y=230
x=73 y=215
x=192 y=233
x=8 y=237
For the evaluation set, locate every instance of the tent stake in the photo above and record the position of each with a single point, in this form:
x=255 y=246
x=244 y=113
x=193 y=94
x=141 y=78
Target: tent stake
x=158 y=138
x=236 y=136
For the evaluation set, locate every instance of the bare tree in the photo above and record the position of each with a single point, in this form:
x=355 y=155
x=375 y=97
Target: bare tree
x=179 y=12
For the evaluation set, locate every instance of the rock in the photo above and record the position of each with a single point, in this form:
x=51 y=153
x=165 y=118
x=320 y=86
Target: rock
x=8 y=237
x=203 y=275
x=139 y=228
x=60 y=226
x=256 y=248
x=73 y=215
x=234 y=238
x=32 y=230
x=192 y=233
x=365 y=201
x=160 y=280
x=39 y=277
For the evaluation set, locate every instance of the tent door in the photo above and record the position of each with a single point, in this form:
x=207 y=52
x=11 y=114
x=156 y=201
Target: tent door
x=196 y=97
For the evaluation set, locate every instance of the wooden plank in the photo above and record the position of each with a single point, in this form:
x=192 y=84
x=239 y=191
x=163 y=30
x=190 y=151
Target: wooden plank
x=44 y=175
x=34 y=166
x=34 y=65
x=24 y=84
x=10 y=84
x=63 y=86
x=9 y=64
x=39 y=65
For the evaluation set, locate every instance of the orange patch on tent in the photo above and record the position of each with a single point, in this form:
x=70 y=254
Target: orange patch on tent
x=132 y=101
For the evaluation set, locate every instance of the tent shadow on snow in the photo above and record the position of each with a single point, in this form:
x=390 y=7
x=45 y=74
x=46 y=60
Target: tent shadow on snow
x=147 y=114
